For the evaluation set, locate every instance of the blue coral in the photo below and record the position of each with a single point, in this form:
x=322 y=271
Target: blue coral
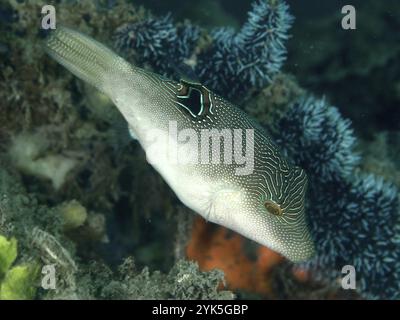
x=239 y=62
x=356 y=223
x=319 y=138
x=158 y=42
x=233 y=64
x=354 y=218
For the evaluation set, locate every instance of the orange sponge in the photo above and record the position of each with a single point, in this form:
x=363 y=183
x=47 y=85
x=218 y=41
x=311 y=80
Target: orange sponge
x=215 y=247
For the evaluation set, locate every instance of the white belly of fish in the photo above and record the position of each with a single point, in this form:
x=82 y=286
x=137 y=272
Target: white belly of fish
x=214 y=200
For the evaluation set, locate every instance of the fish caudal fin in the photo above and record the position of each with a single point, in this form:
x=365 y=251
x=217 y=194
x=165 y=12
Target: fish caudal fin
x=83 y=56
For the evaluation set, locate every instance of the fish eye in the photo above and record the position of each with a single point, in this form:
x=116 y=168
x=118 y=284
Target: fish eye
x=273 y=208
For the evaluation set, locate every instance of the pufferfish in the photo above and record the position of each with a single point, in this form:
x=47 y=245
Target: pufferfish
x=264 y=204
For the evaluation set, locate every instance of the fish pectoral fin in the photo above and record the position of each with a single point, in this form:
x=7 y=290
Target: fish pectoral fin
x=223 y=204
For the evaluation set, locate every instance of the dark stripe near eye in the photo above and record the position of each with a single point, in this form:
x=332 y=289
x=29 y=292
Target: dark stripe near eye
x=194 y=99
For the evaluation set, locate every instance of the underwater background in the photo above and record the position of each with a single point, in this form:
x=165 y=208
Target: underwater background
x=77 y=193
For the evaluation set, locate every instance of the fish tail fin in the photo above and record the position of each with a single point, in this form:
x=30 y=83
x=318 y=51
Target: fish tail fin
x=83 y=56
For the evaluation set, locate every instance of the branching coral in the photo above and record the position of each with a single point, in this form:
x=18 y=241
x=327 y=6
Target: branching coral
x=232 y=63
x=158 y=42
x=319 y=138
x=356 y=223
x=354 y=218
x=238 y=62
